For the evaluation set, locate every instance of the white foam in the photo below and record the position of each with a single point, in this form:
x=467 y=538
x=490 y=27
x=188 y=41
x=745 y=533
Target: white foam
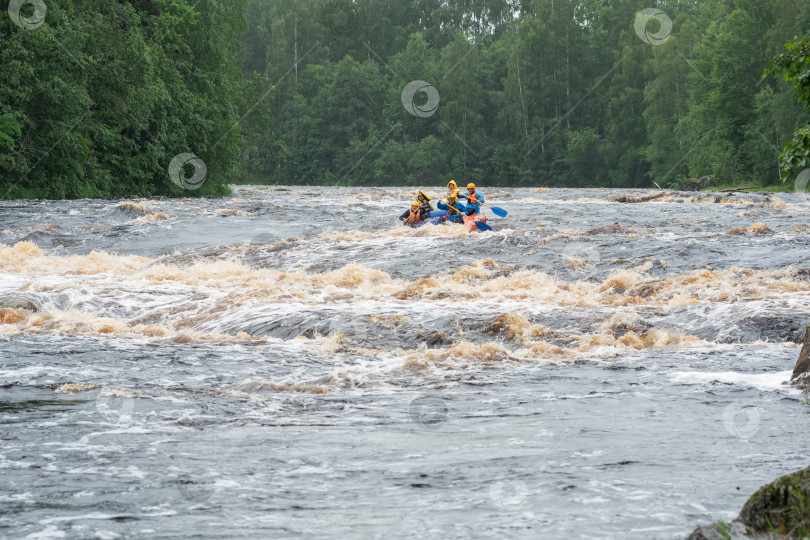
x=11 y=282
x=48 y=533
x=761 y=381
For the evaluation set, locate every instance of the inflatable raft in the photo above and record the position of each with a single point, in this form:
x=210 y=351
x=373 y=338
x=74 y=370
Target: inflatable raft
x=471 y=221
x=438 y=217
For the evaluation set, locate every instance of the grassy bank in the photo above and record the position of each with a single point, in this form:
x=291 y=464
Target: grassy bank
x=773 y=188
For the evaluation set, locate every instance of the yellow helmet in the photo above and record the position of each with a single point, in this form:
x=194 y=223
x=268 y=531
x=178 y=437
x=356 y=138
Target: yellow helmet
x=414 y=203
x=471 y=186
x=425 y=195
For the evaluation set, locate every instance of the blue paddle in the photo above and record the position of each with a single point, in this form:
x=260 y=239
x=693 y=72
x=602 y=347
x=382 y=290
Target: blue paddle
x=500 y=212
x=482 y=226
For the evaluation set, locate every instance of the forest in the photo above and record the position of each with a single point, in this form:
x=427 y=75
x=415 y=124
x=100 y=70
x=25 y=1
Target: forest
x=102 y=98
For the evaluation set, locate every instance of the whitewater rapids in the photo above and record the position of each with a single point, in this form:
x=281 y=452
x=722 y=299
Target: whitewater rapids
x=288 y=362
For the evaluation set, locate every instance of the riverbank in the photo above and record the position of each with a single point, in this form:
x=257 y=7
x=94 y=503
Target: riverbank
x=770 y=188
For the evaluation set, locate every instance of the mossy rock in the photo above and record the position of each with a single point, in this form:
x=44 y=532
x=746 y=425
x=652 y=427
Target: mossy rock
x=779 y=510
x=781 y=506
x=725 y=531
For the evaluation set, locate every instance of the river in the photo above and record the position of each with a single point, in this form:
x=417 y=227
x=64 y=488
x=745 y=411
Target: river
x=288 y=362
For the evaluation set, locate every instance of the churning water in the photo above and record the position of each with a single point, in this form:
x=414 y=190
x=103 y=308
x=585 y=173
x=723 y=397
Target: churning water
x=289 y=362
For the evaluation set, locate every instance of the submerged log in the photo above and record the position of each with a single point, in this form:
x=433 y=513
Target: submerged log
x=734 y=190
x=639 y=199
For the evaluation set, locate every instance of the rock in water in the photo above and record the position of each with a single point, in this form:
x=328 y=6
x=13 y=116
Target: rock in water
x=696 y=184
x=733 y=531
x=779 y=510
x=781 y=505
x=802 y=366
x=13 y=301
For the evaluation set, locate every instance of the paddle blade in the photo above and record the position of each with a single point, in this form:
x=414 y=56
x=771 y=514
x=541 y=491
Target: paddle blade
x=498 y=211
x=482 y=226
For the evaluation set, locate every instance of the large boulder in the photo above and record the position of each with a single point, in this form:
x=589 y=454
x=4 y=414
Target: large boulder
x=725 y=531
x=691 y=184
x=779 y=510
x=781 y=506
x=802 y=368
x=696 y=184
x=19 y=301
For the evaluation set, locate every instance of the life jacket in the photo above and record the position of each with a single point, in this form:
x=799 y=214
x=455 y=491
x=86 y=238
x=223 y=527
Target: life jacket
x=426 y=202
x=451 y=208
x=474 y=201
x=414 y=219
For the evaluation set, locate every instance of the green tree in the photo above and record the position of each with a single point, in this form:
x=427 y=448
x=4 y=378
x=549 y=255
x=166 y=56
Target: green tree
x=462 y=103
x=794 y=66
x=102 y=96
x=666 y=104
x=625 y=129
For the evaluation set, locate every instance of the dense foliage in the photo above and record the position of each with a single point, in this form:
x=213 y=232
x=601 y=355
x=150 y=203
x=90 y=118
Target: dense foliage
x=794 y=65
x=98 y=99
x=100 y=96
x=532 y=92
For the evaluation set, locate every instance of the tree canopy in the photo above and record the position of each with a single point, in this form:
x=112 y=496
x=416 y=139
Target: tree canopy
x=105 y=98
x=99 y=96
x=532 y=92
x=794 y=65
